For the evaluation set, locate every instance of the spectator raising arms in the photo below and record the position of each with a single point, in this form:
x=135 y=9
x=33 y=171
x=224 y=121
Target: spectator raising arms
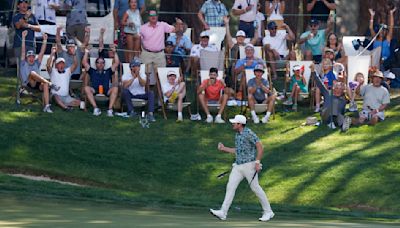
x=212 y=13
x=320 y=9
x=275 y=9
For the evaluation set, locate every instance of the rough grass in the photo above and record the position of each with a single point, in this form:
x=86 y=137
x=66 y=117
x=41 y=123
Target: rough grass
x=306 y=169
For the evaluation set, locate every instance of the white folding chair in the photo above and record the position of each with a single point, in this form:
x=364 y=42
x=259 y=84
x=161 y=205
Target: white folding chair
x=307 y=75
x=258 y=108
x=209 y=59
x=349 y=47
x=359 y=64
x=217 y=35
x=43 y=67
x=163 y=77
x=204 y=74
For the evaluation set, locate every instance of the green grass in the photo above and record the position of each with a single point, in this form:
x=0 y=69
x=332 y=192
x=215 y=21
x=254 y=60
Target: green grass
x=311 y=170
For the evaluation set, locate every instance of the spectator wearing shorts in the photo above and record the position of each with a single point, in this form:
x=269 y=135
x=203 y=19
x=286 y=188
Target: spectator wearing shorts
x=247 y=12
x=175 y=92
x=76 y=19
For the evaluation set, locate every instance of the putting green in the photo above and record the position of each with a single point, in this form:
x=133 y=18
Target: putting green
x=18 y=212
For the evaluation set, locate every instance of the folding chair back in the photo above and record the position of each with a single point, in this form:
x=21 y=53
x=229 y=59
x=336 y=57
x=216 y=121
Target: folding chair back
x=349 y=47
x=210 y=59
x=217 y=35
x=43 y=67
x=126 y=69
x=359 y=64
x=204 y=75
x=258 y=52
x=307 y=70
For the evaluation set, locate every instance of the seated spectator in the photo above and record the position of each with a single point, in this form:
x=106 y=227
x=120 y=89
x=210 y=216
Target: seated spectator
x=174 y=92
x=334 y=103
x=275 y=9
x=333 y=43
x=195 y=51
x=352 y=88
x=61 y=76
x=181 y=43
x=211 y=91
x=260 y=93
x=376 y=99
x=297 y=85
x=385 y=37
x=133 y=84
x=275 y=45
x=29 y=72
x=212 y=14
x=249 y=62
x=71 y=51
x=100 y=80
x=328 y=78
x=328 y=54
x=247 y=12
x=314 y=40
x=132 y=20
x=320 y=9
x=172 y=58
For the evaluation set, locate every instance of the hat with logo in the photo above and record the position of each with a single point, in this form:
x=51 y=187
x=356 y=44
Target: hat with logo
x=70 y=43
x=259 y=67
x=135 y=62
x=204 y=34
x=30 y=53
x=238 y=119
x=240 y=33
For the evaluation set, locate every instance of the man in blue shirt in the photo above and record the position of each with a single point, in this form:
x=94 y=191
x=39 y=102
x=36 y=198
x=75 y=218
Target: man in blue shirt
x=212 y=14
x=249 y=151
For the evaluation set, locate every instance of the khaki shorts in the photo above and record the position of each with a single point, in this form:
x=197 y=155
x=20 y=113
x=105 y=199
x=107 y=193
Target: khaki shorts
x=66 y=99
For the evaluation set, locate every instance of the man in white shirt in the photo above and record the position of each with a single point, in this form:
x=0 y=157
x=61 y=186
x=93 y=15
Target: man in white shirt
x=275 y=45
x=133 y=84
x=247 y=12
x=61 y=76
x=45 y=11
x=196 y=49
x=174 y=92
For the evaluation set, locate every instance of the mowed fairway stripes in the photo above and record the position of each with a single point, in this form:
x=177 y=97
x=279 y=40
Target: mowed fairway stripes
x=60 y=213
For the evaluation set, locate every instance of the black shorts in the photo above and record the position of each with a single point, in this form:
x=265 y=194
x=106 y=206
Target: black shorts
x=75 y=76
x=35 y=87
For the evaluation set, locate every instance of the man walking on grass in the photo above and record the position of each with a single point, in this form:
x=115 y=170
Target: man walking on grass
x=249 y=151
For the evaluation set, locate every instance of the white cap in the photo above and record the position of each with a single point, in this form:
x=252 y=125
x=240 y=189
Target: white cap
x=204 y=33
x=171 y=73
x=59 y=59
x=239 y=119
x=296 y=67
x=389 y=75
x=249 y=46
x=240 y=33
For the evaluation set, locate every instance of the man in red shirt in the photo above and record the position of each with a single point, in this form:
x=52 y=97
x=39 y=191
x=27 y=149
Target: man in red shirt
x=212 y=91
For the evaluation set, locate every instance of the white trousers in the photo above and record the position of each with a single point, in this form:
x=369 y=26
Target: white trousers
x=239 y=172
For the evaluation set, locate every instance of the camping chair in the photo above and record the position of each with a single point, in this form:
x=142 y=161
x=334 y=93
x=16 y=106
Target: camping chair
x=259 y=108
x=358 y=64
x=217 y=36
x=258 y=52
x=162 y=76
x=307 y=75
x=137 y=103
x=204 y=74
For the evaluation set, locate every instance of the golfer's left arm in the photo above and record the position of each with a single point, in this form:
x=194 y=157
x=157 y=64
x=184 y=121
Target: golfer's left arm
x=260 y=152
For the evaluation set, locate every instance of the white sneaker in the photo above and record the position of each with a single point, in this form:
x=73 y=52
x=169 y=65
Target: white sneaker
x=110 y=113
x=47 y=109
x=353 y=107
x=346 y=123
x=266 y=216
x=256 y=120
x=219 y=214
x=96 y=112
x=180 y=119
x=316 y=109
x=265 y=119
x=209 y=119
x=218 y=119
x=195 y=117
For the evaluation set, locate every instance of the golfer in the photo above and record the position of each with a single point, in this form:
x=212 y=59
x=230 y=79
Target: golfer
x=248 y=151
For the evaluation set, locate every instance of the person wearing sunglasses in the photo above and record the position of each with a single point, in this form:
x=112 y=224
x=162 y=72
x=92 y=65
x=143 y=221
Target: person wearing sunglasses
x=100 y=80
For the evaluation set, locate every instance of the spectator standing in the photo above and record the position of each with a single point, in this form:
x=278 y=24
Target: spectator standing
x=260 y=25
x=320 y=9
x=275 y=9
x=247 y=12
x=120 y=7
x=132 y=22
x=45 y=11
x=76 y=19
x=212 y=14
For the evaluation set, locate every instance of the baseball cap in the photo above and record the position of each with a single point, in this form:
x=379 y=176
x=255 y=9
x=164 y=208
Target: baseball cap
x=330 y=50
x=259 y=67
x=169 y=43
x=296 y=67
x=249 y=46
x=59 y=60
x=272 y=25
x=240 y=33
x=378 y=74
x=314 y=21
x=389 y=75
x=152 y=12
x=30 y=53
x=135 y=62
x=171 y=73
x=239 y=119
x=204 y=34
x=71 y=42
